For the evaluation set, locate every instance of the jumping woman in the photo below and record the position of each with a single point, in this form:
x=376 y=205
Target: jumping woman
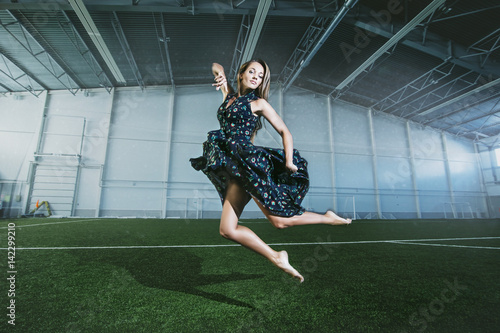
x=276 y=179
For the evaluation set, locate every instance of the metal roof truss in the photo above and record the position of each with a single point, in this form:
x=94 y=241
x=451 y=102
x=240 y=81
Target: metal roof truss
x=33 y=47
x=19 y=77
x=126 y=49
x=76 y=39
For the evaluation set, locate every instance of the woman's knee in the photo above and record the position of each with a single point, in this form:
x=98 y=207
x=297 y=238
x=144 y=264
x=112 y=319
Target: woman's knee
x=226 y=232
x=278 y=222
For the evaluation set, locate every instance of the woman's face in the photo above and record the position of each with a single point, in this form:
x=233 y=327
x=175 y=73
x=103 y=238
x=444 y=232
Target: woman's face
x=252 y=77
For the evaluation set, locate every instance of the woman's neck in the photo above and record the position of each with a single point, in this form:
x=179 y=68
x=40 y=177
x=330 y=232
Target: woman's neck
x=245 y=92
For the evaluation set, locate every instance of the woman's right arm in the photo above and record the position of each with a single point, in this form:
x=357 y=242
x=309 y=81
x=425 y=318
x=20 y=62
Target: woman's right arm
x=220 y=80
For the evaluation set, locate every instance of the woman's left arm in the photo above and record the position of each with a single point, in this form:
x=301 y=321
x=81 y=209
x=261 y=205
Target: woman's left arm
x=263 y=108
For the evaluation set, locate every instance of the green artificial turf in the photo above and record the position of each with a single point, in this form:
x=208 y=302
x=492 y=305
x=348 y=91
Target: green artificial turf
x=148 y=275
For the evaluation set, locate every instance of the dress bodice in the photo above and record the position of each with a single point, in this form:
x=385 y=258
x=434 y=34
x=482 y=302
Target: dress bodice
x=237 y=120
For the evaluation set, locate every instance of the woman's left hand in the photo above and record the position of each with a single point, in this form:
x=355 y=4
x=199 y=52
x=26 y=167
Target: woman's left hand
x=292 y=167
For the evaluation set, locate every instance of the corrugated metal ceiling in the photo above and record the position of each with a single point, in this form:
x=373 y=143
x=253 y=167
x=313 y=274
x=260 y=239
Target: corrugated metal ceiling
x=428 y=77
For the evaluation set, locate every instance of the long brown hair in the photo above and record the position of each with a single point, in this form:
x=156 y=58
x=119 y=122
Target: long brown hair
x=262 y=91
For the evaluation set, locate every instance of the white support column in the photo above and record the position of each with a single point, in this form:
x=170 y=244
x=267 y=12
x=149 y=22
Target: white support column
x=78 y=170
x=39 y=144
x=332 y=153
x=413 y=171
x=280 y=102
x=105 y=154
x=374 y=162
x=481 y=181
x=168 y=152
x=448 y=173
x=42 y=122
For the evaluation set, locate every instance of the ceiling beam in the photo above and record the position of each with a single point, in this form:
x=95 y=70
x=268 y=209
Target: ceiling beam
x=466 y=106
x=463 y=14
x=208 y=7
x=458 y=98
x=255 y=30
x=441 y=92
x=434 y=45
x=413 y=88
x=19 y=77
x=167 y=53
x=241 y=41
x=78 y=42
x=304 y=55
x=31 y=44
x=390 y=43
x=486 y=116
x=122 y=38
x=89 y=25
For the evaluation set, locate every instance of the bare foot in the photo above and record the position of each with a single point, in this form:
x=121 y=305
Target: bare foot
x=282 y=263
x=335 y=219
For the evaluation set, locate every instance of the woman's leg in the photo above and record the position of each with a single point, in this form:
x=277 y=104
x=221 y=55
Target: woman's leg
x=234 y=203
x=281 y=222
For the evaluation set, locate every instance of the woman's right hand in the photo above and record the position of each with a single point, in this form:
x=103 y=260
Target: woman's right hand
x=220 y=82
x=220 y=77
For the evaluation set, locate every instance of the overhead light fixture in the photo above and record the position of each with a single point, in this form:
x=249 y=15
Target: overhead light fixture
x=258 y=22
x=84 y=16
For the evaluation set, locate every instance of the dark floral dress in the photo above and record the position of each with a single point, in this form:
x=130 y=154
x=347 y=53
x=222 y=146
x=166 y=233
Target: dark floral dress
x=229 y=153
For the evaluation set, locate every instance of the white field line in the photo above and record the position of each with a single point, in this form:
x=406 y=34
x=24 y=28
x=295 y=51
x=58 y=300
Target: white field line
x=449 y=245
x=47 y=223
x=397 y=241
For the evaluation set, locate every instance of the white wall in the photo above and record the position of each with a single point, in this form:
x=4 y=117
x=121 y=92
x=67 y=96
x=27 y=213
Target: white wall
x=20 y=118
x=126 y=153
x=490 y=172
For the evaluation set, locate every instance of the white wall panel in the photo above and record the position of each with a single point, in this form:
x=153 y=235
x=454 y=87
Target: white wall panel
x=136 y=158
x=194 y=116
x=20 y=117
x=390 y=136
x=140 y=115
x=465 y=176
x=351 y=131
x=320 y=170
x=134 y=161
x=64 y=125
x=353 y=171
x=427 y=143
x=20 y=113
x=435 y=204
x=394 y=173
x=131 y=202
x=16 y=150
x=306 y=117
x=489 y=171
x=88 y=193
x=402 y=205
x=146 y=169
x=71 y=116
x=62 y=144
x=195 y=113
x=460 y=150
x=431 y=175
x=94 y=148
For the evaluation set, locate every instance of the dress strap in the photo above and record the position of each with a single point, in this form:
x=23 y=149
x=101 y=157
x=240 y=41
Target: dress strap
x=251 y=96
